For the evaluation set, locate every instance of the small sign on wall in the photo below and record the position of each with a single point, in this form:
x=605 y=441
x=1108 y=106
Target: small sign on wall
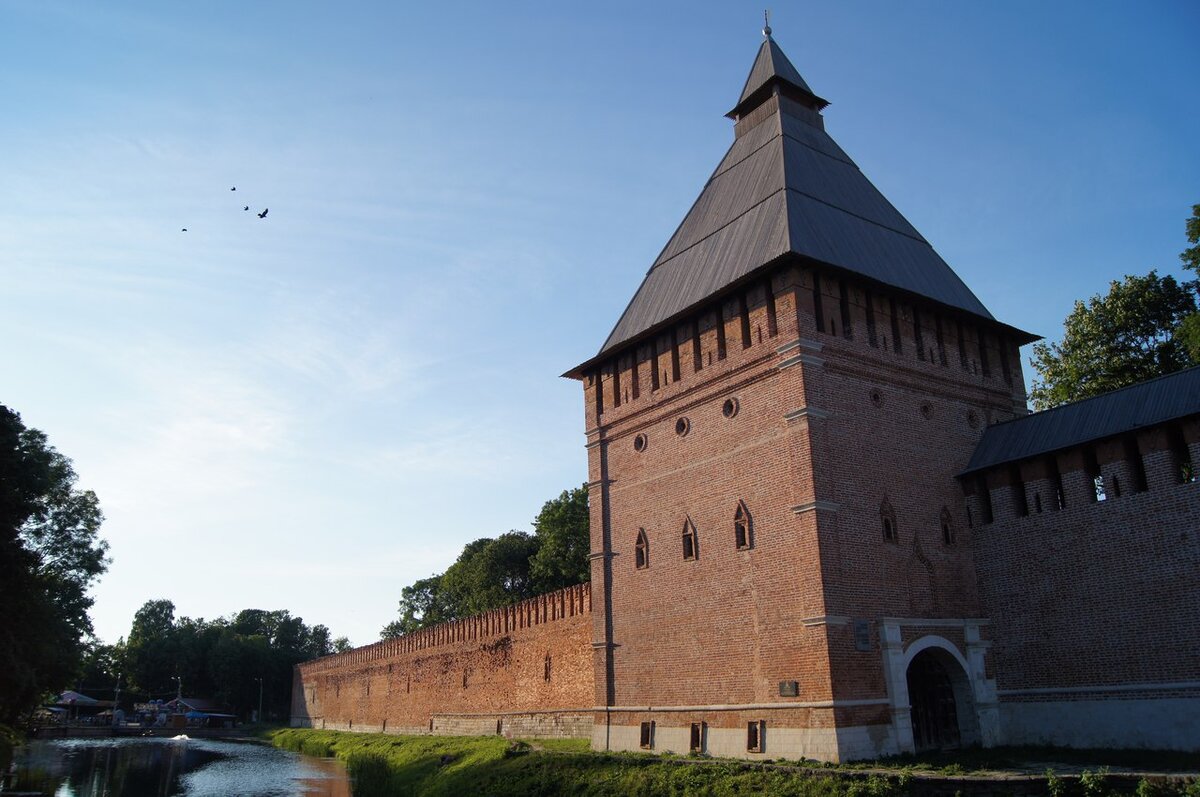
x=789 y=688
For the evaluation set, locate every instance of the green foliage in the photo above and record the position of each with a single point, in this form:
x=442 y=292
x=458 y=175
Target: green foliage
x=1092 y=783
x=423 y=603
x=1191 y=255
x=495 y=572
x=491 y=573
x=1116 y=340
x=564 y=542
x=443 y=766
x=1054 y=785
x=222 y=659
x=50 y=554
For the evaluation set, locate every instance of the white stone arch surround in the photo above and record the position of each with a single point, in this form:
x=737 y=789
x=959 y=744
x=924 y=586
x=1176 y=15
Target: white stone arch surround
x=976 y=693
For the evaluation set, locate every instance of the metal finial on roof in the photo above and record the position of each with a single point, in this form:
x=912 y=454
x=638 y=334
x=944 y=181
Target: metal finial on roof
x=767 y=23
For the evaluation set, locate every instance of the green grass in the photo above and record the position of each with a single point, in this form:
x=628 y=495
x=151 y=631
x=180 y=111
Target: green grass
x=434 y=766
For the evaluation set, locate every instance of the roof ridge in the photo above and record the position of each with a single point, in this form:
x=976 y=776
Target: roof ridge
x=1106 y=394
x=715 y=230
x=918 y=239
x=846 y=160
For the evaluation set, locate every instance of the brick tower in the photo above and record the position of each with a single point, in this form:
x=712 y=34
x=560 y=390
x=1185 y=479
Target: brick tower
x=781 y=563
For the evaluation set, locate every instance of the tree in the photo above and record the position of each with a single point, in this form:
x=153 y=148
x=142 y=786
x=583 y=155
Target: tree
x=1189 y=329
x=50 y=554
x=1191 y=255
x=564 y=542
x=491 y=573
x=422 y=604
x=152 y=650
x=1127 y=336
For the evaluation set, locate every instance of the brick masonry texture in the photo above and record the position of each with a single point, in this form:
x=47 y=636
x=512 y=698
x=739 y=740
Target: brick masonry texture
x=485 y=674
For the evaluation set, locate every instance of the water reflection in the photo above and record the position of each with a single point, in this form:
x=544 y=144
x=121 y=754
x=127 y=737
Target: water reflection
x=168 y=767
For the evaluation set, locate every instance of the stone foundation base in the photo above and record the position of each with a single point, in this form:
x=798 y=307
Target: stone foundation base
x=1151 y=723
x=530 y=725
x=820 y=744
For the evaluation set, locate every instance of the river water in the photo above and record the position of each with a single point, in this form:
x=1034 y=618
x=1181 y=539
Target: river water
x=170 y=767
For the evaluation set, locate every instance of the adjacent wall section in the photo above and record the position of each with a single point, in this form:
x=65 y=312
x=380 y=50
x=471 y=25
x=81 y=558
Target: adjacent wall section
x=524 y=670
x=1091 y=574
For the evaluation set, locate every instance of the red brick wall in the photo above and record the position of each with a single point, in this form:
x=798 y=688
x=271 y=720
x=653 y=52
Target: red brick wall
x=812 y=456
x=465 y=675
x=1098 y=593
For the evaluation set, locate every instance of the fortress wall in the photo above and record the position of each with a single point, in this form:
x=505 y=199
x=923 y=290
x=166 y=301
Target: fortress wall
x=1095 y=618
x=523 y=670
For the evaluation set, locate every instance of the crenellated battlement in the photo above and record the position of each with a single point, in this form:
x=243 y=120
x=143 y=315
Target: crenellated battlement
x=538 y=610
x=1091 y=477
x=846 y=314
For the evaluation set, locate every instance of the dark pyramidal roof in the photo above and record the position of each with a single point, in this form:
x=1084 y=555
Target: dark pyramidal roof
x=785 y=188
x=1139 y=406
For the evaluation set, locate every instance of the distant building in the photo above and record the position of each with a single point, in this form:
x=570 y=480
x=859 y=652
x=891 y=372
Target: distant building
x=823 y=523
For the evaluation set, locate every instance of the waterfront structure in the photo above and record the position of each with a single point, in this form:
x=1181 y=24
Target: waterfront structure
x=823 y=523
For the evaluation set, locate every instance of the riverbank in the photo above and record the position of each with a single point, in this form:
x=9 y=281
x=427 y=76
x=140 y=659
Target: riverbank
x=432 y=766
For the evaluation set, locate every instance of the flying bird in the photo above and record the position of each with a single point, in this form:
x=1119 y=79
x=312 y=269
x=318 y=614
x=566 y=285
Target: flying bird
x=184 y=229
x=263 y=215
x=234 y=188
x=246 y=208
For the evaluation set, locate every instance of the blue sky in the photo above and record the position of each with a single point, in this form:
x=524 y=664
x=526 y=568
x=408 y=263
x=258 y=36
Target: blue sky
x=311 y=410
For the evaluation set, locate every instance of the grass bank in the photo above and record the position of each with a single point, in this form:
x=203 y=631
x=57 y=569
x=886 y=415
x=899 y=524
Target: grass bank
x=491 y=765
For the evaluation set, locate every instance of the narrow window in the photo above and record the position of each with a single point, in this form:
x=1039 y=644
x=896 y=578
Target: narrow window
x=635 y=374
x=941 y=341
x=696 y=745
x=546 y=669
x=755 y=733
x=772 y=318
x=1005 y=366
x=641 y=551
x=918 y=338
x=1020 y=502
x=1091 y=466
x=697 y=352
x=962 y=348
x=984 y=365
x=653 y=357
x=948 y=535
x=1037 y=502
x=818 y=313
x=1181 y=457
x=674 y=355
x=897 y=345
x=985 y=500
x=887 y=517
x=1060 y=495
x=744 y=318
x=464 y=679
x=647 y=735
x=720 y=333
x=596 y=380
x=844 y=303
x=872 y=337
x=616 y=381
x=690 y=548
x=741 y=528
x=1136 y=466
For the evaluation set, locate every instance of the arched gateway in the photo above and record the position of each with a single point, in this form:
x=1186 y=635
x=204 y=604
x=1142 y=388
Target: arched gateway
x=942 y=707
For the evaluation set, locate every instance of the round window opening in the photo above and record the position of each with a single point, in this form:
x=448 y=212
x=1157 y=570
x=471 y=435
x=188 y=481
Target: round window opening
x=877 y=397
x=639 y=443
x=927 y=410
x=682 y=426
x=730 y=407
